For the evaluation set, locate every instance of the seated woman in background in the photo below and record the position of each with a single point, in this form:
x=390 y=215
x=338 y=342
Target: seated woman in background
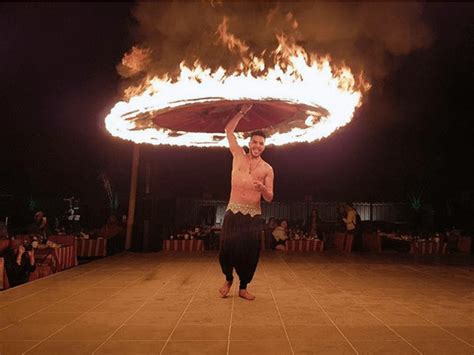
x=19 y=263
x=40 y=227
x=280 y=235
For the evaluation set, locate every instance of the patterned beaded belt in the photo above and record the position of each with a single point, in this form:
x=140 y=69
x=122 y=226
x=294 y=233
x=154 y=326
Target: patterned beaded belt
x=252 y=210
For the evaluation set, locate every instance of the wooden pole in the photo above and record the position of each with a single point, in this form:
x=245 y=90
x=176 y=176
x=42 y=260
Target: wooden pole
x=133 y=196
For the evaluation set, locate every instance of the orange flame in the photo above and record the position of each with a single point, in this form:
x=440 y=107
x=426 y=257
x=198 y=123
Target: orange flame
x=136 y=60
x=232 y=42
x=296 y=77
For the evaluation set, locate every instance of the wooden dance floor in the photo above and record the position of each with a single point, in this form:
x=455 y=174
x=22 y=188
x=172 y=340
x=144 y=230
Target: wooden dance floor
x=307 y=303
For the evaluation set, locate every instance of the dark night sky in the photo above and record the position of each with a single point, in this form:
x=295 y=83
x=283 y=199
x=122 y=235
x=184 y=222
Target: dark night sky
x=59 y=81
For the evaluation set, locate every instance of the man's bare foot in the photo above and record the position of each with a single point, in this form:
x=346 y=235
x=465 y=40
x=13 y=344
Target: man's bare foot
x=246 y=295
x=225 y=289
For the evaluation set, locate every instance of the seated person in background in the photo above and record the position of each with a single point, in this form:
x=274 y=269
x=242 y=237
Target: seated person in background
x=280 y=235
x=114 y=233
x=19 y=264
x=40 y=226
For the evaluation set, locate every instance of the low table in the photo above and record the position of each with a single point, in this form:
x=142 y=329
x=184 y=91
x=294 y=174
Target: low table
x=395 y=243
x=91 y=247
x=40 y=271
x=63 y=258
x=63 y=239
x=304 y=245
x=428 y=247
x=183 y=245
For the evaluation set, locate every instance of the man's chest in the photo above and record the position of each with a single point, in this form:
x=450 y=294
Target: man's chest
x=245 y=172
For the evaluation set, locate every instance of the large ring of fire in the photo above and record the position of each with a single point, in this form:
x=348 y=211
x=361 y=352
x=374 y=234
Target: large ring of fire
x=301 y=101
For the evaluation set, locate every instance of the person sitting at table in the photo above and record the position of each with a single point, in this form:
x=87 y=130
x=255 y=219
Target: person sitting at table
x=19 y=263
x=280 y=235
x=40 y=226
x=114 y=233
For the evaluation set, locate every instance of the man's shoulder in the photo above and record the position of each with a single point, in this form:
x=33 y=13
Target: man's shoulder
x=267 y=165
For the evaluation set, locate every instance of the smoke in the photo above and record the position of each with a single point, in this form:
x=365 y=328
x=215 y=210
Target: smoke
x=366 y=36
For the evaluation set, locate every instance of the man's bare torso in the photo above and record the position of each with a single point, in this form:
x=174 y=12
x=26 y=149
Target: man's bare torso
x=243 y=189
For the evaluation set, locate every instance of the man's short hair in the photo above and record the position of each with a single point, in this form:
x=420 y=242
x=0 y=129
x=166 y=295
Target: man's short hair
x=258 y=133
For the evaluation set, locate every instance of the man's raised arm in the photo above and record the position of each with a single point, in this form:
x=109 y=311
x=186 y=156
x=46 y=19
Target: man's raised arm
x=230 y=128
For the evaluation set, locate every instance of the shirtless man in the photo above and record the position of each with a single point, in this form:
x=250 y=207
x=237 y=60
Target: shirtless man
x=252 y=179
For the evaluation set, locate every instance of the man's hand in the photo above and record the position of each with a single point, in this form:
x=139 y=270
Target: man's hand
x=266 y=188
x=258 y=186
x=245 y=108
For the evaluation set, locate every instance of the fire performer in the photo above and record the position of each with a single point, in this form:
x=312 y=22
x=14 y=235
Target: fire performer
x=252 y=179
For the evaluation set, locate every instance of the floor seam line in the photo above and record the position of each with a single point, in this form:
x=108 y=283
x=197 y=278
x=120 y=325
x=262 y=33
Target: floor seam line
x=139 y=308
x=386 y=325
x=64 y=326
x=279 y=313
x=185 y=309
x=324 y=311
x=231 y=316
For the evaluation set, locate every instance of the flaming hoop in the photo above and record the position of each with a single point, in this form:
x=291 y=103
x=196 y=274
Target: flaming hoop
x=301 y=98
